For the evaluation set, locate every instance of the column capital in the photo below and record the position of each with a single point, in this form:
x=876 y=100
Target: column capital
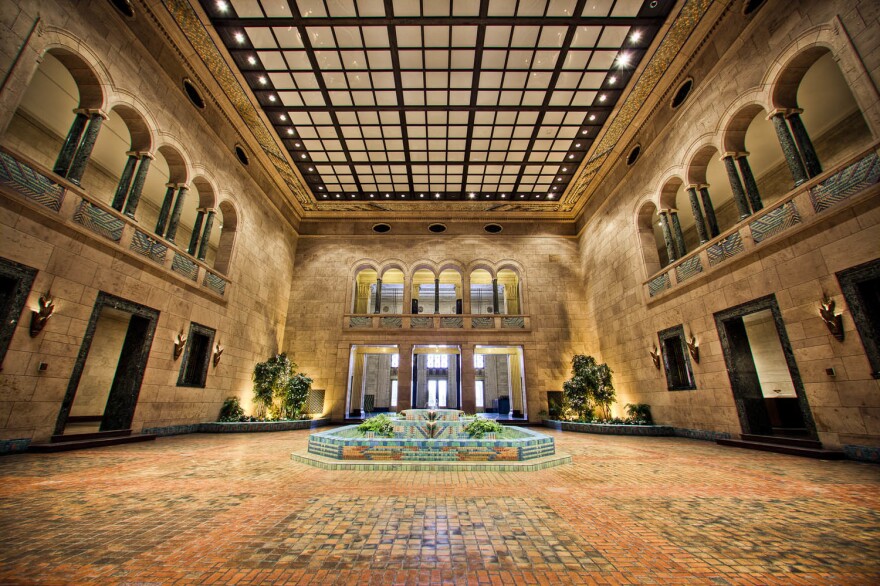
x=793 y=111
x=141 y=155
x=741 y=154
x=729 y=155
x=696 y=186
x=778 y=112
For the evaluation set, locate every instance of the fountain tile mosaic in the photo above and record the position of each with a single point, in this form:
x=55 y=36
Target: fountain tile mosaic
x=235 y=509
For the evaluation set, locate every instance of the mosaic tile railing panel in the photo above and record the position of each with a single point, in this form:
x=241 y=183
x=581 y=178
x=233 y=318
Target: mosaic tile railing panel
x=421 y=323
x=658 y=284
x=360 y=321
x=215 y=283
x=482 y=323
x=513 y=323
x=452 y=322
x=30 y=183
x=725 y=249
x=149 y=247
x=391 y=323
x=775 y=221
x=688 y=269
x=184 y=266
x=849 y=181
x=99 y=221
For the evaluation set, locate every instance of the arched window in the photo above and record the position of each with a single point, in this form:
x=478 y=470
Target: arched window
x=364 y=294
x=422 y=292
x=226 y=239
x=391 y=292
x=482 y=297
x=449 y=294
x=509 y=302
x=653 y=249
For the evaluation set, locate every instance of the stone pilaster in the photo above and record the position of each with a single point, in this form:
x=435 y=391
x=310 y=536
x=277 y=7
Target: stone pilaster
x=436 y=295
x=495 y=309
x=378 y=301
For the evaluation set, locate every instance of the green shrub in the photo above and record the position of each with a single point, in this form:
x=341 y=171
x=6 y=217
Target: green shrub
x=381 y=425
x=279 y=391
x=480 y=426
x=639 y=413
x=589 y=387
x=231 y=410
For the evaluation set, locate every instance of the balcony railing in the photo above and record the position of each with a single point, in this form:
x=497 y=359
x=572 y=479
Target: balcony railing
x=72 y=206
x=434 y=322
x=801 y=206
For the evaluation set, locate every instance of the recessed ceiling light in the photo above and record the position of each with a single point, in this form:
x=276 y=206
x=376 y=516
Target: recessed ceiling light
x=239 y=37
x=564 y=169
x=635 y=37
x=570 y=156
x=283 y=118
x=472 y=196
x=311 y=168
x=577 y=146
x=386 y=195
x=337 y=195
x=290 y=131
x=559 y=178
x=623 y=59
x=602 y=97
x=372 y=195
x=222 y=6
x=319 y=187
x=549 y=196
x=522 y=195
x=437 y=195
x=302 y=156
x=353 y=195
x=584 y=131
x=612 y=80
x=271 y=97
x=324 y=196
x=421 y=195
x=592 y=117
x=297 y=145
x=263 y=80
x=252 y=60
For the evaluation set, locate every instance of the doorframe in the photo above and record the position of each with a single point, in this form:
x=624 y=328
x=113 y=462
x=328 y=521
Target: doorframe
x=25 y=276
x=747 y=308
x=106 y=300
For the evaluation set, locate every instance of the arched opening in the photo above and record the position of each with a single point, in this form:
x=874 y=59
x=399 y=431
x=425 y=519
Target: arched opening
x=675 y=212
x=653 y=253
x=58 y=109
x=509 y=302
x=422 y=291
x=707 y=181
x=830 y=127
x=363 y=297
x=225 y=239
x=391 y=293
x=482 y=297
x=750 y=166
x=197 y=218
x=449 y=294
x=165 y=185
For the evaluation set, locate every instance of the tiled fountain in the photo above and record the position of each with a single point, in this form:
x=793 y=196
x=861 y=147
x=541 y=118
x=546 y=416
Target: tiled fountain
x=431 y=439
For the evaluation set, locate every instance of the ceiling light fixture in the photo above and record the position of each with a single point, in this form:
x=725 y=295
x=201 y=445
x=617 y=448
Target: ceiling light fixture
x=252 y=60
x=623 y=60
x=283 y=118
x=290 y=131
x=222 y=6
x=302 y=156
x=570 y=156
x=592 y=117
x=472 y=196
x=577 y=146
x=297 y=145
x=602 y=97
x=311 y=169
x=584 y=131
x=263 y=80
x=239 y=37
x=271 y=97
x=612 y=80
x=635 y=37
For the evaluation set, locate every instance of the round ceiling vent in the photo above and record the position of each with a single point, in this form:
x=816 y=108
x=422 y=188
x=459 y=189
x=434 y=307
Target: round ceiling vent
x=634 y=154
x=381 y=228
x=437 y=228
x=124 y=7
x=242 y=155
x=193 y=93
x=493 y=228
x=682 y=93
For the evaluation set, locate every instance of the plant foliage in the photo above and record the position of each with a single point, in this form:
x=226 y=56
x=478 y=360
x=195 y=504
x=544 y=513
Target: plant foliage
x=639 y=413
x=278 y=390
x=589 y=388
x=381 y=425
x=480 y=426
x=231 y=410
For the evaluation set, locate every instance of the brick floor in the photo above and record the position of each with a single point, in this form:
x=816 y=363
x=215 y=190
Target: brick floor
x=221 y=509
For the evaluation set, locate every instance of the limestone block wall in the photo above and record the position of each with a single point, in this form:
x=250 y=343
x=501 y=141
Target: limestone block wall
x=797 y=270
x=249 y=320
x=319 y=341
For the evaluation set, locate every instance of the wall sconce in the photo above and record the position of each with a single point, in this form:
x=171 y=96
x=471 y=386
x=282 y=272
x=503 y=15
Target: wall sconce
x=693 y=348
x=39 y=318
x=179 y=344
x=655 y=356
x=218 y=352
x=834 y=322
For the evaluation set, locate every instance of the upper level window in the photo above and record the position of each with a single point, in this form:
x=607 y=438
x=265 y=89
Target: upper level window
x=675 y=359
x=196 y=357
x=438 y=361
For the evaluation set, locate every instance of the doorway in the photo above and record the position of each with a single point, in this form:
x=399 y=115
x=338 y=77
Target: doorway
x=436 y=377
x=372 y=384
x=766 y=384
x=15 y=286
x=106 y=380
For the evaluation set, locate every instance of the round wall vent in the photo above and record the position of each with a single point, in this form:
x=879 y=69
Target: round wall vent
x=193 y=94
x=381 y=228
x=493 y=228
x=242 y=155
x=633 y=155
x=437 y=228
x=682 y=93
x=124 y=7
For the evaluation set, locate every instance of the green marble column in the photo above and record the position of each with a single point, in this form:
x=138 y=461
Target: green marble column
x=495 y=309
x=749 y=181
x=709 y=208
x=175 y=215
x=68 y=149
x=677 y=234
x=165 y=210
x=802 y=138
x=436 y=295
x=81 y=158
x=667 y=236
x=124 y=182
x=197 y=230
x=137 y=187
x=739 y=195
x=378 y=301
x=789 y=149
x=699 y=221
x=206 y=235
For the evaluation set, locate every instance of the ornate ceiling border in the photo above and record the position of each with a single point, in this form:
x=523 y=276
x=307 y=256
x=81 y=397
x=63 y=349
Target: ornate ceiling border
x=679 y=32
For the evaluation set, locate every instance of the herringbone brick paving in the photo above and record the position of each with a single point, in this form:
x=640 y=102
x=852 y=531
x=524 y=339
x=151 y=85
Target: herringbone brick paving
x=221 y=509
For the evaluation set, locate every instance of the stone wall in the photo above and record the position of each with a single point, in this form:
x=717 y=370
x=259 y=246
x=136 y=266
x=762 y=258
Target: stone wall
x=797 y=270
x=249 y=319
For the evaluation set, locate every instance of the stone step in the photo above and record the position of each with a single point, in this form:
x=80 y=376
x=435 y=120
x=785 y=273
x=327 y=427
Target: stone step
x=67 y=446
x=75 y=437
x=778 y=448
x=783 y=440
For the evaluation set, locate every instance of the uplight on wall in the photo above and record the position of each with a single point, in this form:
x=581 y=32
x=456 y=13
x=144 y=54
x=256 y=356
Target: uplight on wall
x=41 y=316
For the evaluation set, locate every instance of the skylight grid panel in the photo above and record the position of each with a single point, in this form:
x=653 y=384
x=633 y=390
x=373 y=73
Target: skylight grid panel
x=436 y=36
x=613 y=37
x=353 y=60
x=561 y=98
x=436 y=8
x=583 y=99
x=592 y=80
x=597 y=8
x=567 y=133
x=307 y=132
x=328 y=60
x=261 y=37
x=603 y=59
x=409 y=36
x=297 y=60
x=311 y=8
x=288 y=37
x=332 y=145
x=359 y=80
x=320 y=157
x=348 y=37
x=272 y=60
x=561 y=8
x=281 y=81
x=437 y=59
x=406 y=8
x=312 y=145
x=379 y=60
x=410 y=59
x=556 y=157
x=321 y=37
x=326 y=132
x=461 y=59
x=247 y=8
x=577 y=60
x=626 y=8
x=370 y=8
x=552 y=36
x=510 y=98
x=306 y=80
x=568 y=80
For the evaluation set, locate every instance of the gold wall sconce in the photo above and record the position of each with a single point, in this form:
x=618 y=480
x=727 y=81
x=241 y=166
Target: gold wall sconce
x=655 y=356
x=693 y=349
x=218 y=352
x=179 y=345
x=834 y=322
x=39 y=318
